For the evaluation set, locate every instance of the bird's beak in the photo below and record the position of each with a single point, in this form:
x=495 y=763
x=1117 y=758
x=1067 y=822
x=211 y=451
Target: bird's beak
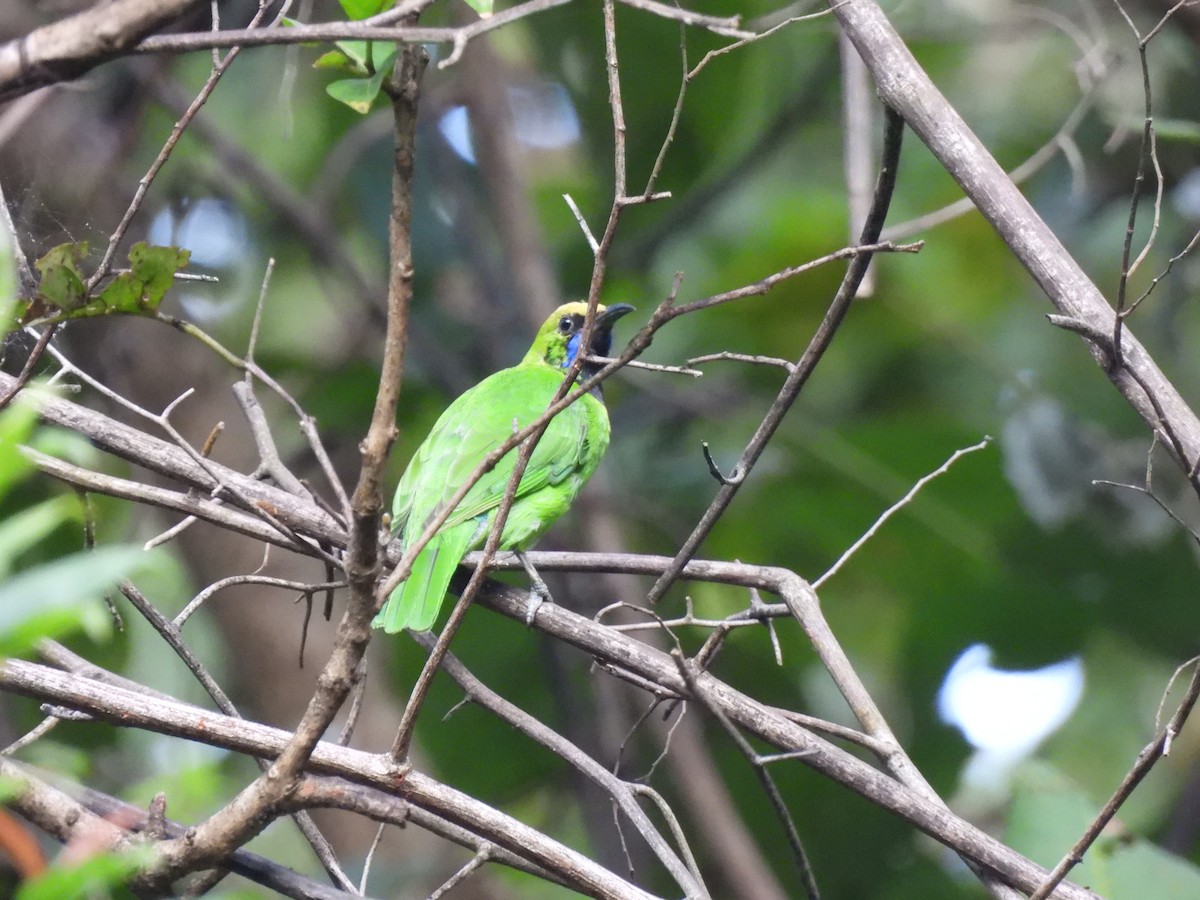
x=602 y=334
x=608 y=318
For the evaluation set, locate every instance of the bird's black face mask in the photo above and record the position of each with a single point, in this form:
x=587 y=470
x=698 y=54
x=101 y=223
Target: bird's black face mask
x=601 y=343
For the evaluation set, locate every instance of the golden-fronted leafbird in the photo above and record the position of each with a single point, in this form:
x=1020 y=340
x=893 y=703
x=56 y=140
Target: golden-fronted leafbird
x=473 y=426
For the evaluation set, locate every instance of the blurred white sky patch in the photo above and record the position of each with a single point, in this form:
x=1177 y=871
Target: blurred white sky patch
x=1186 y=196
x=542 y=113
x=456 y=129
x=216 y=233
x=1005 y=714
x=211 y=227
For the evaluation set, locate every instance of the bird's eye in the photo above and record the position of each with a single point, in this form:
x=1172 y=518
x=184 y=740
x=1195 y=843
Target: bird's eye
x=564 y=325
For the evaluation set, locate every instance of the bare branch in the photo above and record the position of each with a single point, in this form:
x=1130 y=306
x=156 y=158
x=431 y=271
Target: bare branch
x=897 y=506
x=729 y=27
x=686 y=877
x=127 y=708
x=906 y=87
x=136 y=710
x=70 y=47
x=798 y=377
x=1151 y=754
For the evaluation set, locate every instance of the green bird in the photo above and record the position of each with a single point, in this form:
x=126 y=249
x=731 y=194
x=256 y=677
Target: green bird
x=474 y=425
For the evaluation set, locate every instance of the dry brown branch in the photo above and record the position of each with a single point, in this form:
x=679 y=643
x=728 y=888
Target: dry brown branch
x=131 y=709
x=72 y=46
x=687 y=877
x=798 y=376
x=137 y=710
x=905 y=86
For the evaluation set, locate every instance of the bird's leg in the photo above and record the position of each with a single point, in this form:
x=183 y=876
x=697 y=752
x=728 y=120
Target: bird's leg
x=538 y=593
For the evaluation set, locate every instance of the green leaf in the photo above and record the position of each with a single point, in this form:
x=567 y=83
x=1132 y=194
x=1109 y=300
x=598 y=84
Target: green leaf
x=356 y=93
x=483 y=7
x=156 y=267
x=359 y=53
x=366 y=58
x=62 y=295
x=122 y=294
x=63 y=595
x=1048 y=814
x=140 y=290
x=26 y=529
x=363 y=9
x=336 y=59
x=61 y=280
x=95 y=876
x=16 y=426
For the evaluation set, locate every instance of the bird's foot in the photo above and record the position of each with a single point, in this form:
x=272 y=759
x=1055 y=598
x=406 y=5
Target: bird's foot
x=538 y=592
x=536 y=599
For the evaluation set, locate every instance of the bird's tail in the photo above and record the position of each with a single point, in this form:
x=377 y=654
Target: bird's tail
x=415 y=603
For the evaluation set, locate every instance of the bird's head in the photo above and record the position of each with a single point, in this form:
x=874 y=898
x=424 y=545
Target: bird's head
x=557 y=341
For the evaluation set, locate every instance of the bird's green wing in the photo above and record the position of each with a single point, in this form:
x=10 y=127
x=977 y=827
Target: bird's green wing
x=475 y=425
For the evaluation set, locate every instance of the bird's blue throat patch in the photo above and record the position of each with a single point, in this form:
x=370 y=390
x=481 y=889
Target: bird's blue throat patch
x=572 y=350
x=601 y=344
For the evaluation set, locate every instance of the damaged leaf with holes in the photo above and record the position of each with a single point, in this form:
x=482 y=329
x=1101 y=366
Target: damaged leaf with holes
x=60 y=283
x=62 y=294
x=151 y=273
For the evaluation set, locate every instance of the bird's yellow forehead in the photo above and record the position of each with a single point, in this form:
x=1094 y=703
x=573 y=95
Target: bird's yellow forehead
x=575 y=308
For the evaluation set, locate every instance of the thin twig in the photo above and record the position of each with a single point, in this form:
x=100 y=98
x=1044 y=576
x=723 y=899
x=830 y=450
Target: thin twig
x=729 y=356
x=234 y=580
x=763 y=286
x=750 y=38
x=219 y=69
x=807 y=879
x=1147 y=153
x=35 y=356
x=1146 y=760
x=38 y=731
x=583 y=225
x=896 y=507
x=804 y=367
x=648 y=367
x=482 y=855
x=1191 y=245
x=685 y=873
x=676 y=115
